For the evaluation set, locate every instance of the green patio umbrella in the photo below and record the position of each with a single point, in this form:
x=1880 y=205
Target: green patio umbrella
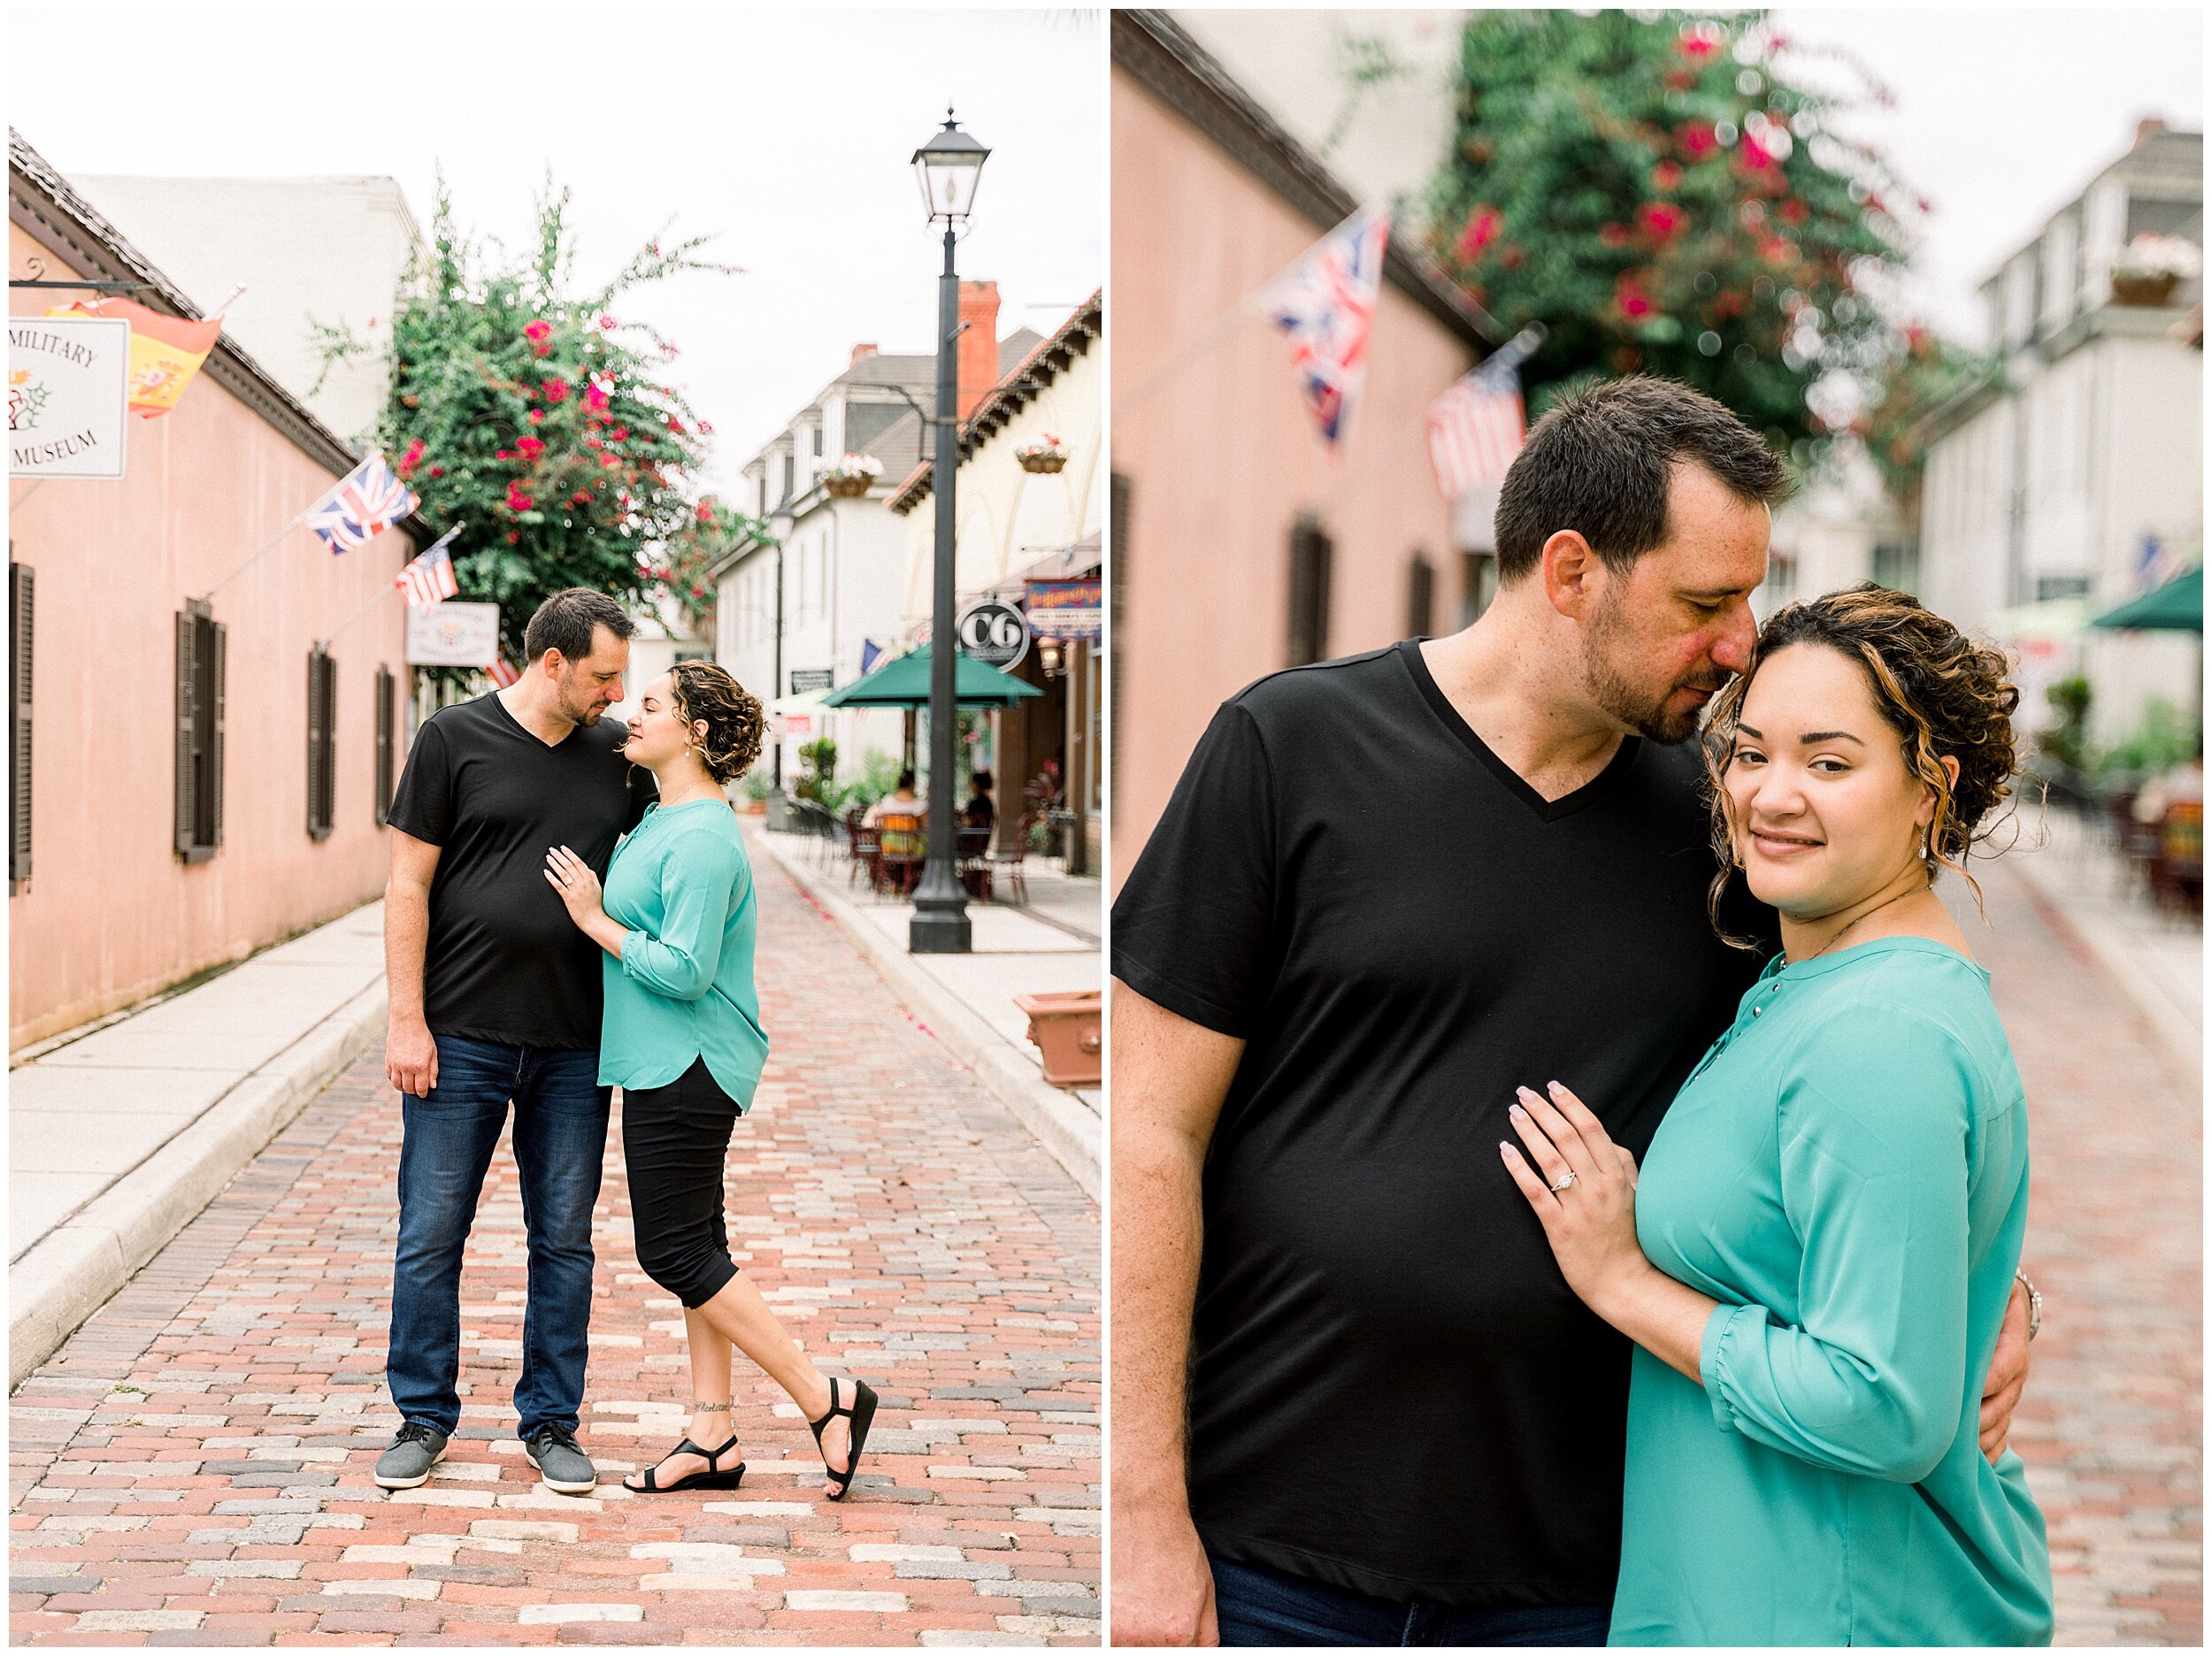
x=2177 y=607
x=905 y=683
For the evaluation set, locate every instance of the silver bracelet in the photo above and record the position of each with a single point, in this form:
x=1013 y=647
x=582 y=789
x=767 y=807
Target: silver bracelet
x=2035 y=1305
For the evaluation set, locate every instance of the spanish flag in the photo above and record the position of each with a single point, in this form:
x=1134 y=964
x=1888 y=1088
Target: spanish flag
x=166 y=350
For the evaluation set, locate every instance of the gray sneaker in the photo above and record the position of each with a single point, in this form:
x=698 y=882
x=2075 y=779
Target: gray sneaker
x=407 y=1463
x=563 y=1466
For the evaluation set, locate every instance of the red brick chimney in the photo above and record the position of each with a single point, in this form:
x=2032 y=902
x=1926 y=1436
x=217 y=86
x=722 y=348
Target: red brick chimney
x=859 y=352
x=978 y=345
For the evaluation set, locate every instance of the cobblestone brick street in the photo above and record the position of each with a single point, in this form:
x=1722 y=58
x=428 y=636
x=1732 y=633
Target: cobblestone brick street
x=2111 y=1426
x=193 y=1466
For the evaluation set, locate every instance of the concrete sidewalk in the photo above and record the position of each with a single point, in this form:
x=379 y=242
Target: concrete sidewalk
x=967 y=1000
x=116 y=1138
x=2156 y=957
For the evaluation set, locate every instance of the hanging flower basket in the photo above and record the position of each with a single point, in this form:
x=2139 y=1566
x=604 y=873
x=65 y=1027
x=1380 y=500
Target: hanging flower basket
x=2150 y=292
x=852 y=477
x=2150 y=267
x=1046 y=455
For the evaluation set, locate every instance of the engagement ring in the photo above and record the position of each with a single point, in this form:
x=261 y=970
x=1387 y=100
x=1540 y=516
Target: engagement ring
x=1565 y=1179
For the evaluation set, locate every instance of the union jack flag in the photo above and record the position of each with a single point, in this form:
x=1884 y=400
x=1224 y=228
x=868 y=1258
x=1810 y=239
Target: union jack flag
x=1326 y=306
x=503 y=673
x=430 y=579
x=360 y=505
x=1477 y=428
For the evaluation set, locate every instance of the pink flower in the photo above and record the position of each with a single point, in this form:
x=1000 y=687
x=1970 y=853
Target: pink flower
x=1484 y=226
x=581 y=497
x=531 y=446
x=537 y=417
x=504 y=454
x=1665 y=176
x=706 y=428
x=412 y=458
x=1698 y=44
x=705 y=513
x=595 y=398
x=1614 y=236
x=537 y=331
x=622 y=433
x=609 y=462
x=1697 y=140
x=1635 y=303
x=556 y=390
x=606 y=324
x=676 y=425
x=1794 y=211
x=1661 y=219
x=437 y=471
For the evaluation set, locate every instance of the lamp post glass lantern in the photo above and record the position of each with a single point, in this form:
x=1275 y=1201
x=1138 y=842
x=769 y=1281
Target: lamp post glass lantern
x=948 y=166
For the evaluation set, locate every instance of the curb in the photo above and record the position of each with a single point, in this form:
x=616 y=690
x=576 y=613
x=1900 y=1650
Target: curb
x=2181 y=1042
x=78 y=1266
x=1067 y=1130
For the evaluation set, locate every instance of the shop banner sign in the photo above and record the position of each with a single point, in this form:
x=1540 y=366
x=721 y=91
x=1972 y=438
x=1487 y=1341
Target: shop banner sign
x=993 y=633
x=68 y=397
x=806 y=680
x=1070 y=609
x=453 y=635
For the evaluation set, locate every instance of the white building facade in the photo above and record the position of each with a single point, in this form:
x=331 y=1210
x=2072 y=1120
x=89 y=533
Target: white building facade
x=826 y=595
x=2077 y=471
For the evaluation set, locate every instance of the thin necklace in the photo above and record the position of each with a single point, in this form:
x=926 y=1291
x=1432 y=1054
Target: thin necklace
x=1854 y=926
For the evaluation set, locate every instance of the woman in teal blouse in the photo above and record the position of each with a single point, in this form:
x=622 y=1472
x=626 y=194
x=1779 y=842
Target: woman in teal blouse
x=1816 y=1257
x=682 y=1039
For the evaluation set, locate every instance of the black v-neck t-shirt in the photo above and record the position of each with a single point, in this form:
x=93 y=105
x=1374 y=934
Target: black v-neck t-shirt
x=1391 y=1388
x=504 y=963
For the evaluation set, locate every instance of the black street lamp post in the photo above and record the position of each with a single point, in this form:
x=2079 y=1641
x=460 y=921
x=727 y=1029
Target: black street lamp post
x=947 y=167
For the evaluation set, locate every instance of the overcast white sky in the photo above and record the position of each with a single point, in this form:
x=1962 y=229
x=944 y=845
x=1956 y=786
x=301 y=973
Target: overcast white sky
x=2003 y=114
x=788 y=130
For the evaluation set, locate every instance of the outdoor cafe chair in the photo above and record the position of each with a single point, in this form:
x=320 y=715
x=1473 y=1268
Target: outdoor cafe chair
x=970 y=859
x=866 y=845
x=1004 y=866
x=905 y=851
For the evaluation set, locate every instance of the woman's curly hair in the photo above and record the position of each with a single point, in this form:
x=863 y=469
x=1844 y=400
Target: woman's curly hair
x=1944 y=694
x=733 y=717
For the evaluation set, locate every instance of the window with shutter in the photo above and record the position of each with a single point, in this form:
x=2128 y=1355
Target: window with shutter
x=199 y=779
x=1309 y=551
x=1118 y=586
x=21 y=579
x=386 y=739
x=1421 y=599
x=322 y=693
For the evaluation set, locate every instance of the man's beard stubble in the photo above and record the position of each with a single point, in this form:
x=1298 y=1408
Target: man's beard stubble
x=1645 y=714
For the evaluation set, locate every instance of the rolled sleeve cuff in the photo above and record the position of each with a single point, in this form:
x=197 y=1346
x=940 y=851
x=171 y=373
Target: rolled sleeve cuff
x=1713 y=1361
x=632 y=954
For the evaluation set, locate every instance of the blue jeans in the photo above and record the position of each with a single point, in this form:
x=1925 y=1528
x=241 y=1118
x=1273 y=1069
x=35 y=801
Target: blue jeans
x=445 y=1150
x=1265 y=1607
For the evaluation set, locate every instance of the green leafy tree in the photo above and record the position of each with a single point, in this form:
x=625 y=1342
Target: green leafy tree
x=522 y=407
x=1651 y=188
x=1924 y=371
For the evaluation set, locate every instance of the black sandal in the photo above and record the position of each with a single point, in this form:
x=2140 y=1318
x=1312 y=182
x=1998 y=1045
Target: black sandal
x=862 y=1412
x=713 y=1478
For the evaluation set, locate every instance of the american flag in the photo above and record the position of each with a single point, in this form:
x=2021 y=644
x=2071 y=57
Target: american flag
x=430 y=579
x=1326 y=305
x=1477 y=428
x=360 y=505
x=503 y=675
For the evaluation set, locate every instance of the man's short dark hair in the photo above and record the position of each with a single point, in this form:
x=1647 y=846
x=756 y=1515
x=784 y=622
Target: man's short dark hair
x=1599 y=464
x=565 y=622
x=906 y=782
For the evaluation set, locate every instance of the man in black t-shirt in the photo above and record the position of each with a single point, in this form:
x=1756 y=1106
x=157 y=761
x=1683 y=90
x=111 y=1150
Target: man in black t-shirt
x=1354 y=1401
x=496 y=999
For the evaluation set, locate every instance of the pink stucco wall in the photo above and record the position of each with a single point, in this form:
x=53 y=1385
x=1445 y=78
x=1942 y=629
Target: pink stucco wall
x=111 y=913
x=1221 y=456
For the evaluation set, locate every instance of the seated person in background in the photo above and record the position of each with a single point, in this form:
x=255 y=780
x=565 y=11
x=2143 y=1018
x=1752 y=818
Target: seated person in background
x=978 y=812
x=2182 y=785
x=900 y=801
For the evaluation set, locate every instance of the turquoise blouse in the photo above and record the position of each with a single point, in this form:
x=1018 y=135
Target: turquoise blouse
x=1847 y=1171
x=683 y=989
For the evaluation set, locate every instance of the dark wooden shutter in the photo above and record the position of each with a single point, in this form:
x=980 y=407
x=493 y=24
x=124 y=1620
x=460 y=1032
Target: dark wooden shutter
x=1309 y=550
x=1421 y=599
x=217 y=637
x=21 y=580
x=386 y=729
x=187 y=796
x=322 y=691
x=1118 y=586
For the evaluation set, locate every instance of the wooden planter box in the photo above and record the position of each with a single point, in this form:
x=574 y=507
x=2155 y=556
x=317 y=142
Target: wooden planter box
x=2150 y=292
x=1065 y=1028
